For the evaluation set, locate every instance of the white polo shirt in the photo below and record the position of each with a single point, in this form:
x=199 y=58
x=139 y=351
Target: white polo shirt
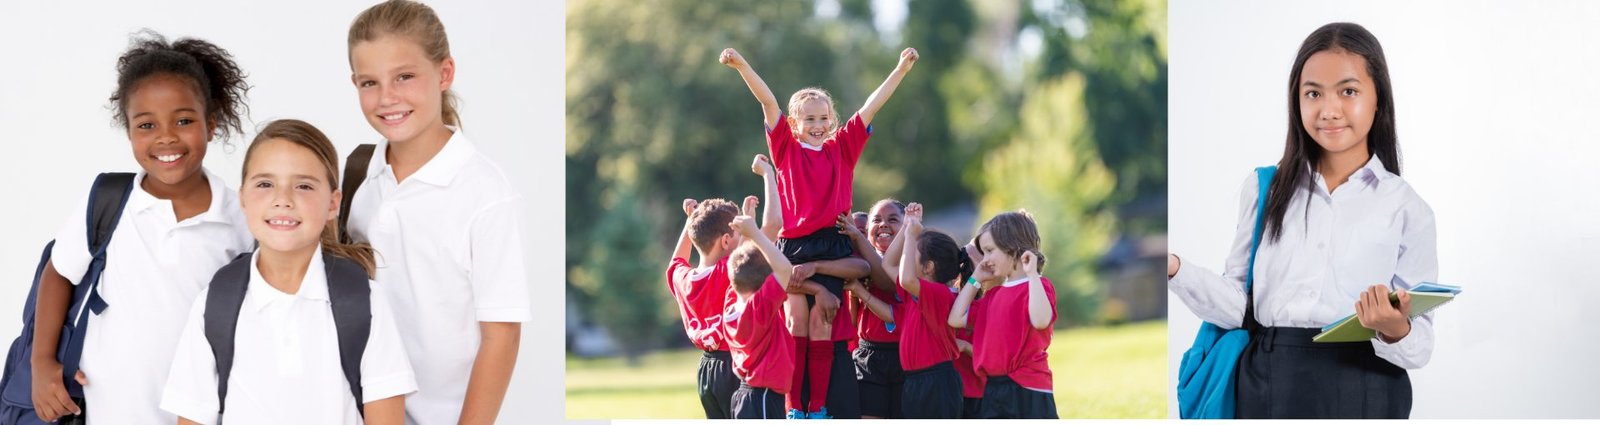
x=155 y=266
x=449 y=256
x=286 y=366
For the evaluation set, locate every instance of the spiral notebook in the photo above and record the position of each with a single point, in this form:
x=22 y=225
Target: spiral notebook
x=1424 y=298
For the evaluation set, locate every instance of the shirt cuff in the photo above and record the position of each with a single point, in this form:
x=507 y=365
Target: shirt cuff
x=1411 y=352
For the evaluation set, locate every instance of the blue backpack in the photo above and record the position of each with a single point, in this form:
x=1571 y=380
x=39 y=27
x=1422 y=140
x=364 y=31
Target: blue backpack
x=106 y=201
x=1206 y=384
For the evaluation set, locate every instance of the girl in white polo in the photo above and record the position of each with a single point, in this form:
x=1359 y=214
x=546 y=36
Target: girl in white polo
x=442 y=216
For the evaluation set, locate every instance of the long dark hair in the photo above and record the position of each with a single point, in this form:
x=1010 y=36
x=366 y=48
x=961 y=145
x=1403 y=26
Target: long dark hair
x=1300 y=152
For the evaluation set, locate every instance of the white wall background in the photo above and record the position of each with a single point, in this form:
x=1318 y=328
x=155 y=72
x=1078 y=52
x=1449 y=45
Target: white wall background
x=58 y=68
x=1495 y=106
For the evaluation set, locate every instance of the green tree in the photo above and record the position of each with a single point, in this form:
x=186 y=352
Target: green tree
x=1051 y=169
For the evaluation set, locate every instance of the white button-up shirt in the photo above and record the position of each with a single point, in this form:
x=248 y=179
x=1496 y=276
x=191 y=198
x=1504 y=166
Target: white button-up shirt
x=286 y=367
x=449 y=246
x=155 y=266
x=1372 y=230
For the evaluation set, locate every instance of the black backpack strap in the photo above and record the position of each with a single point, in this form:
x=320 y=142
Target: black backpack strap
x=351 y=298
x=106 y=202
x=223 y=302
x=355 y=172
x=107 y=198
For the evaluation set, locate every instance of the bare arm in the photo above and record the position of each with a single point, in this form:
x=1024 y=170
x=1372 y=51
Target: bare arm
x=772 y=214
x=878 y=308
x=769 y=103
x=891 y=257
x=1039 y=310
x=389 y=411
x=780 y=264
x=879 y=276
x=846 y=268
x=491 y=371
x=910 y=258
x=875 y=101
x=684 y=244
x=50 y=398
x=958 y=311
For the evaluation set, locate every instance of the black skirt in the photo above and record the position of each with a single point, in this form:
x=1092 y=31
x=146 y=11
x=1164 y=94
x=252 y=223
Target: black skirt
x=1283 y=374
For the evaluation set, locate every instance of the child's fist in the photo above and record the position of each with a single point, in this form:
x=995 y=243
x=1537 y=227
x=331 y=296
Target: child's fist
x=689 y=205
x=731 y=58
x=913 y=218
x=908 y=57
x=1030 y=263
x=744 y=225
x=750 y=203
x=760 y=165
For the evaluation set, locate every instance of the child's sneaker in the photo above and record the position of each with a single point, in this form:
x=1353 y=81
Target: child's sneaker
x=820 y=414
x=796 y=414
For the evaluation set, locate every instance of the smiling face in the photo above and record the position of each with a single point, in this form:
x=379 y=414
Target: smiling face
x=168 y=128
x=401 y=90
x=884 y=224
x=1337 y=101
x=287 y=196
x=812 y=121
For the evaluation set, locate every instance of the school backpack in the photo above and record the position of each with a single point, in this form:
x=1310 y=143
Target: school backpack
x=1206 y=383
x=106 y=200
x=352 y=317
x=348 y=293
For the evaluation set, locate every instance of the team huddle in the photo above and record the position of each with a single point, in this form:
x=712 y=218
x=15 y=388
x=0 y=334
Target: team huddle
x=818 y=313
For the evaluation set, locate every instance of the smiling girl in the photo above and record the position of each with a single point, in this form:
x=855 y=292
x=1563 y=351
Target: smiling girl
x=1342 y=231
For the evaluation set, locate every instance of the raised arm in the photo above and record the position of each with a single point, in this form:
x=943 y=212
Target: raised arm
x=911 y=259
x=780 y=265
x=682 y=250
x=1039 y=310
x=958 y=311
x=891 y=257
x=769 y=103
x=771 y=216
x=879 y=277
x=875 y=102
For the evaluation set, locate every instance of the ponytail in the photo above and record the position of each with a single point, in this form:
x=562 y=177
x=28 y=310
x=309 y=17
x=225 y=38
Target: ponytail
x=360 y=253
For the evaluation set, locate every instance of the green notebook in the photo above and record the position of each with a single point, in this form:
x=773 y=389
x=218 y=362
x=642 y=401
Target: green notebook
x=1349 y=329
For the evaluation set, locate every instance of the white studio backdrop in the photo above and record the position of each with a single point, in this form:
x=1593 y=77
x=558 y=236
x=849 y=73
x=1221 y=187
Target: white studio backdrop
x=59 y=70
x=1493 y=106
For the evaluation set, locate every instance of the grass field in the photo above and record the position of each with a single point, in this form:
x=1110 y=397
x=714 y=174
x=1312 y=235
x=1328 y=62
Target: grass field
x=1104 y=372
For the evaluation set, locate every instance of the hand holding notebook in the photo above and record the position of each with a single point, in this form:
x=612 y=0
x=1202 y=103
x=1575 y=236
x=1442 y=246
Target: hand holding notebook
x=1424 y=298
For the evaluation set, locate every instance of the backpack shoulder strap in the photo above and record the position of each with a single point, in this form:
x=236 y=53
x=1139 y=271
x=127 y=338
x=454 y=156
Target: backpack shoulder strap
x=1263 y=185
x=106 y=201
x=223 y=302
x=355 y=171
x=351 y=299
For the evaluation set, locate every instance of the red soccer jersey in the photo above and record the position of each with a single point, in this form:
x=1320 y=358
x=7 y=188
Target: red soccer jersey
x=844 y=326
x=762 y=350
x=870 y=327
x=814 y=183
x=1006 y=344
x=701 y=296
x=928 y=339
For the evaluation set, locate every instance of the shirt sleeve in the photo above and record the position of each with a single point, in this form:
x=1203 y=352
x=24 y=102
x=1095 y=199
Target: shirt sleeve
x=191 y=390
x=1220 y=299
x=852 y=138
x=780 y=140
x=1418 y=263
x=677 y=274
x=385 y=368
x=499 y=282
x=70 y=255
